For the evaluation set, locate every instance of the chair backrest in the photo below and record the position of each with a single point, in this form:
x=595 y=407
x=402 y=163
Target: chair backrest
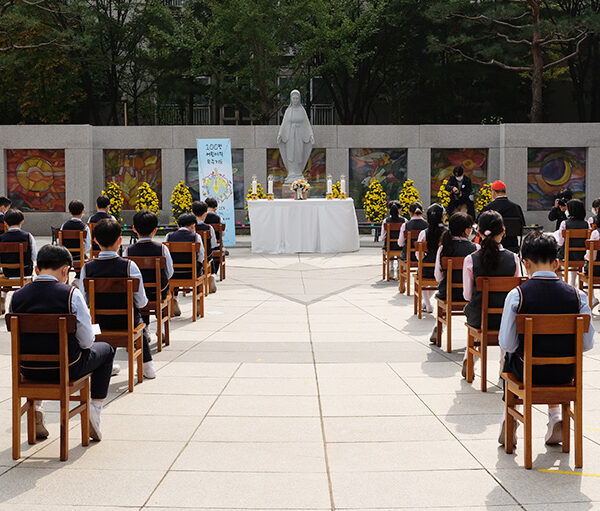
x=421 y=250
x=569 y=235
x=513 y=226
x=391 y=227
x=185 y=247
x=15 y=247
x=219 y=230
x=74 y=235
x=452 y=264
x=95 y=250
x=59 y=324
x=156 y=263
x=205 y=235
x=487 y=285
x=119 y=285
x=529 y=325
x=411 y=239
x=593 y=247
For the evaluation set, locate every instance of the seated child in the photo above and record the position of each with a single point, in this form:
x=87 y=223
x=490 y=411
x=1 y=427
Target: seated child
x=394 y=217
x=200 y=210
x=102 y=210
x=5 y=204
x=416 y=224
x=213 y=218
x=543 y=293
x=591 y=220
x=145 y=224
x=14 y=219
x=50 y=294
x=436 y=216
x=76 y=208
x=491 y=260
x=108 y=264
x=595 y=236
x=185 y=233
x=575 y=220
x=454 y=243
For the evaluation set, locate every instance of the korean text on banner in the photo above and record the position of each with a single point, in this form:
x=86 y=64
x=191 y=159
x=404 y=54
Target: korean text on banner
x=216 y=180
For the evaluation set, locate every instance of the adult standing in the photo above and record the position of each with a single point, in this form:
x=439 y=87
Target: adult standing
x=558 y=213
x=507 y=209
x=461 y=191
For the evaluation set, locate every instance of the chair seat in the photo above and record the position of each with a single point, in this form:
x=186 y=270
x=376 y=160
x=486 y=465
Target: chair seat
x=186 y=282
x=427 y=283
x=118 y=338
x=562 y=393
x=44 y=389
x=456 y=306
x=155 y=304
x=12 y=281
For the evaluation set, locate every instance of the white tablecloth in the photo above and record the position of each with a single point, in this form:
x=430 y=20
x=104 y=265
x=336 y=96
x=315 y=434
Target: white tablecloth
x=286 y=226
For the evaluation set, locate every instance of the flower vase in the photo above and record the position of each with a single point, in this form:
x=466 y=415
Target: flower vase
x=305 y=194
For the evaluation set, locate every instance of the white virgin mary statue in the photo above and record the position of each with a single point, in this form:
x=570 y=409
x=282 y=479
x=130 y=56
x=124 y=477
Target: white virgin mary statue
x=295 y=138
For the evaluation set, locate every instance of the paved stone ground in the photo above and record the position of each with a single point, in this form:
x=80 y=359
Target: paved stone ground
x=308 y=385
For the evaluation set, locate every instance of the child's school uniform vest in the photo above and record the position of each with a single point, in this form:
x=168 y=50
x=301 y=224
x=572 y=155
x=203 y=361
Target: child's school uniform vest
x=506 y=267
x=96 y=217
x=578 y=255
x=44 y=297
x=415 y=226
x=201 y=226
x=428 y=272
x=150 y=248
x=549 y=295
x=460 y=248
x=183 y=235
x=114 y=267
x=16 y=235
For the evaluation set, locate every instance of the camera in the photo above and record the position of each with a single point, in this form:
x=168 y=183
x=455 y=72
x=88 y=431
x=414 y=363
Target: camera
x=562 y=202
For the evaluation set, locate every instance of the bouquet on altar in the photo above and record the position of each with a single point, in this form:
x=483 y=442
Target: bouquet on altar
x=300 y=184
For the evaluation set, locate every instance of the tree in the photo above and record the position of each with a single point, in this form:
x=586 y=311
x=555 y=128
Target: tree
x=517 y=30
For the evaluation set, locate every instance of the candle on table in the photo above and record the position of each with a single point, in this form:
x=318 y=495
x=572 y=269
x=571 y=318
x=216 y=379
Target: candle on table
x=270 y=185
x=343 y=184
x=254 y=186
x=329 y=185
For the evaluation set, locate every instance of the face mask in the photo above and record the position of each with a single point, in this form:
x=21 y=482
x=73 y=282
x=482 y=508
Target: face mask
x=459 y=178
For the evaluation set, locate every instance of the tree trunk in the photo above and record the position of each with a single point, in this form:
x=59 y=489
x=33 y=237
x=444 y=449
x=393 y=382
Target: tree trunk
x=537 y=70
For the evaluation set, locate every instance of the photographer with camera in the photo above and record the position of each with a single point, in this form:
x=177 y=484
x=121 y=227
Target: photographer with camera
x=558 y=213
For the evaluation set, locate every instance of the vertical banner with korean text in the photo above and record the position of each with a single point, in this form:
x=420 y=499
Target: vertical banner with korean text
x=216 y=180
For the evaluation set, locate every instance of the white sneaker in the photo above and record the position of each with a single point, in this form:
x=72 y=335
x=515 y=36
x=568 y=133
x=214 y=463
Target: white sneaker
x=95 y=433
x=40 y=426
x=554 y=433
x=176 y=309
x=212 y=282
x=433 y=336
x=501 y=435
x=149 y=371
x=427 y=307
x=116 y=369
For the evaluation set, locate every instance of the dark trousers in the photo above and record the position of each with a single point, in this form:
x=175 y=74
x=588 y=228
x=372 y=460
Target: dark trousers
x=98 y=360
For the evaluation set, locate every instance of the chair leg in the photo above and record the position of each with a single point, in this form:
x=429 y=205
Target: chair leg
x=159 y=328
x=194 y=303
x=449 y=329
x=131 y=362
x=415 y=312
x=168 y=325
x=383 y=267
x=566 y=428
x=31 y=422
x=84 y=398
x=470 y=358
x=527 y=427
x=64 y=429
x=509 y=429
x=483 y=359
x=201 y=305
x=140 y=360
x=408 y=279
x=578 y=420
x=16 y=426
x=439 y=326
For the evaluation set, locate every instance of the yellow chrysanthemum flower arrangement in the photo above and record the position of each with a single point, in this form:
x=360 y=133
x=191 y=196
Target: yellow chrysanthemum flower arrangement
x=336 y=190
x=260 y=192
x=408 y=195
x=181 y=200
x=115 y=194
x=483 y=197
x=375 y=202
x=146 y=199
x=443 y=195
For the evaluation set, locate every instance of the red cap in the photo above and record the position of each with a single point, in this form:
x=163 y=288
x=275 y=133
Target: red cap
x=498 y=185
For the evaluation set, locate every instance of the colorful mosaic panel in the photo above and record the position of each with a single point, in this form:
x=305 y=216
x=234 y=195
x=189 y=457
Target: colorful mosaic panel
x=314 y=173
x=473 y=161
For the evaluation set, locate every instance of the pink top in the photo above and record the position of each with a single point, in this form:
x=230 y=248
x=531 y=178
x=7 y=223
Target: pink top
x=559 y=237
x=594 y=236
x=438 y=273
x=591 y=221
x=469 y=279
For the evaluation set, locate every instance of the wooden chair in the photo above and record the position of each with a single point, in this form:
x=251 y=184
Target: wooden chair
x=196 y=282
x=590 y=280
x=421 y=283
x=569 y=236
x=32 y=390
x=528 y=394
x=78 y=252
x=131 y=337
x=388 y=254
x=219 y=255
x=14 y=283
x=408 y=267
x=95 y=250
x=205 y=235
x=448 y=307
x=478 y=339
x=159 y=307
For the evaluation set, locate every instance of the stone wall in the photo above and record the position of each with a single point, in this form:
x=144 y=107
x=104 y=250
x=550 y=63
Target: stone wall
x=507 y=157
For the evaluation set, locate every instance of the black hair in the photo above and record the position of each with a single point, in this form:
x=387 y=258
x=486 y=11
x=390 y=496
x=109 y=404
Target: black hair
x=76 y=207
x=13 y=217
x=565 y=194
x=211 y=202
x=145 y=221
x=107 y=232
x=395 y=207
x=199 y=207
x=595 y=203
x=576 y=209
x=457 y=225
x=53 y=257
x=416 y=208
x=490 y=225
x=102 y=202
x=5 y=202
x=458 y=171
x=186 y=220
x=435 y=215
x=539 y=248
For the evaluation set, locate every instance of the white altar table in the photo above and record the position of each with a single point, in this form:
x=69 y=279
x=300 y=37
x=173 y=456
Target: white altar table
x=286 y=226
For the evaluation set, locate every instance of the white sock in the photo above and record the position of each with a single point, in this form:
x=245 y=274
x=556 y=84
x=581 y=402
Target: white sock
x=96 y=404
x=555 y=414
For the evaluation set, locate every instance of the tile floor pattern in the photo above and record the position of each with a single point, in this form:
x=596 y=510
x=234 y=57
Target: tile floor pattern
x=308 y=385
